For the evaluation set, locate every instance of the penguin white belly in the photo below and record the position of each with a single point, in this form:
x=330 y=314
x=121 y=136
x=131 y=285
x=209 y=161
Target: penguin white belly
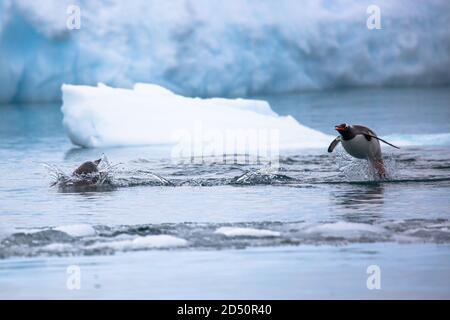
x=359 y=147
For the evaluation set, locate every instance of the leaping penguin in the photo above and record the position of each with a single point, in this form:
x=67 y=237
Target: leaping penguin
x=362 y=143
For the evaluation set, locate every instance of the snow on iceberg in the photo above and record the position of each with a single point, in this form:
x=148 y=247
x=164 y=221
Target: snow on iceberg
x=221 y=48
x=152 y=115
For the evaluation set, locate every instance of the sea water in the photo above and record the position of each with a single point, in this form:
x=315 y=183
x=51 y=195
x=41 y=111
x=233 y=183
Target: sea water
x=233 y=230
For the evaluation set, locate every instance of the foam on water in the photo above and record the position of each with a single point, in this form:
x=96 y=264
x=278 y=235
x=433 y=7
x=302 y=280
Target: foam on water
x=265 y=175
x=360 y=170
x=109 y=177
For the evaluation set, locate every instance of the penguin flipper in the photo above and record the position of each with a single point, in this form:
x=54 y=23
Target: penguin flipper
x=381 y=140
x=334 y=143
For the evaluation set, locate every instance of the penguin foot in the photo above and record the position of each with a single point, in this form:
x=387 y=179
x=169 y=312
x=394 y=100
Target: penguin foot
x=378 y=165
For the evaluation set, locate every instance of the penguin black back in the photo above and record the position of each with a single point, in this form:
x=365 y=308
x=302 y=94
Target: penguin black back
x=87 y=167
x=348 y=132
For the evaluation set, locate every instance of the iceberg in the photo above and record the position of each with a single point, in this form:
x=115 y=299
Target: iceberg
x=149 y=114
x=221 y=48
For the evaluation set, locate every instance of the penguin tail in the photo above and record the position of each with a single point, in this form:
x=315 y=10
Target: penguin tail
x=383 y=141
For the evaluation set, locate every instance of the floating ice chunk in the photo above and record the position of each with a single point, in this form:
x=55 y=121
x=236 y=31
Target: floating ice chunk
x=246 y=232
x=57 y=247
x=153 y=241
x=152 y=115
x=77 y=230
x=344 y=229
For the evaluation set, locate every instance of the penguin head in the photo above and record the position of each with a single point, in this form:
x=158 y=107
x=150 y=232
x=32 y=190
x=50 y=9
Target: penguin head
x=87 y=167
x=341 y=128
x=345 y=130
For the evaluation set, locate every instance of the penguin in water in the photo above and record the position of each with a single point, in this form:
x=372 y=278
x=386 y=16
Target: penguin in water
x=87 y=173
x=89 y=167
x=362 y=143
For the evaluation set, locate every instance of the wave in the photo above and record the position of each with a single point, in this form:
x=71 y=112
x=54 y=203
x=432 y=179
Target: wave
x=302 y=170
x=101 y=239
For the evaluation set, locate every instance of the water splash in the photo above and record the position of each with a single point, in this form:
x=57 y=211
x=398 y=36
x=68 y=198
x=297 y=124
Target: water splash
x=109 y=177
x=139 y=177
x=98 y=181
x=355 y=170
x=266 y=175
x=296 y=171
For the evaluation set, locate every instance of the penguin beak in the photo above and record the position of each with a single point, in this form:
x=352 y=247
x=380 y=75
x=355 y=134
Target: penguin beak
x=339 y=129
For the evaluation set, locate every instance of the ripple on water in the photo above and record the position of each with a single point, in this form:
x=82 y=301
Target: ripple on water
x=102 y=239
x=295 y=170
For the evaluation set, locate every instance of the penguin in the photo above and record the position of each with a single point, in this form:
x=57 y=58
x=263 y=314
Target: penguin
x=362 y=143
x=88 y=167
